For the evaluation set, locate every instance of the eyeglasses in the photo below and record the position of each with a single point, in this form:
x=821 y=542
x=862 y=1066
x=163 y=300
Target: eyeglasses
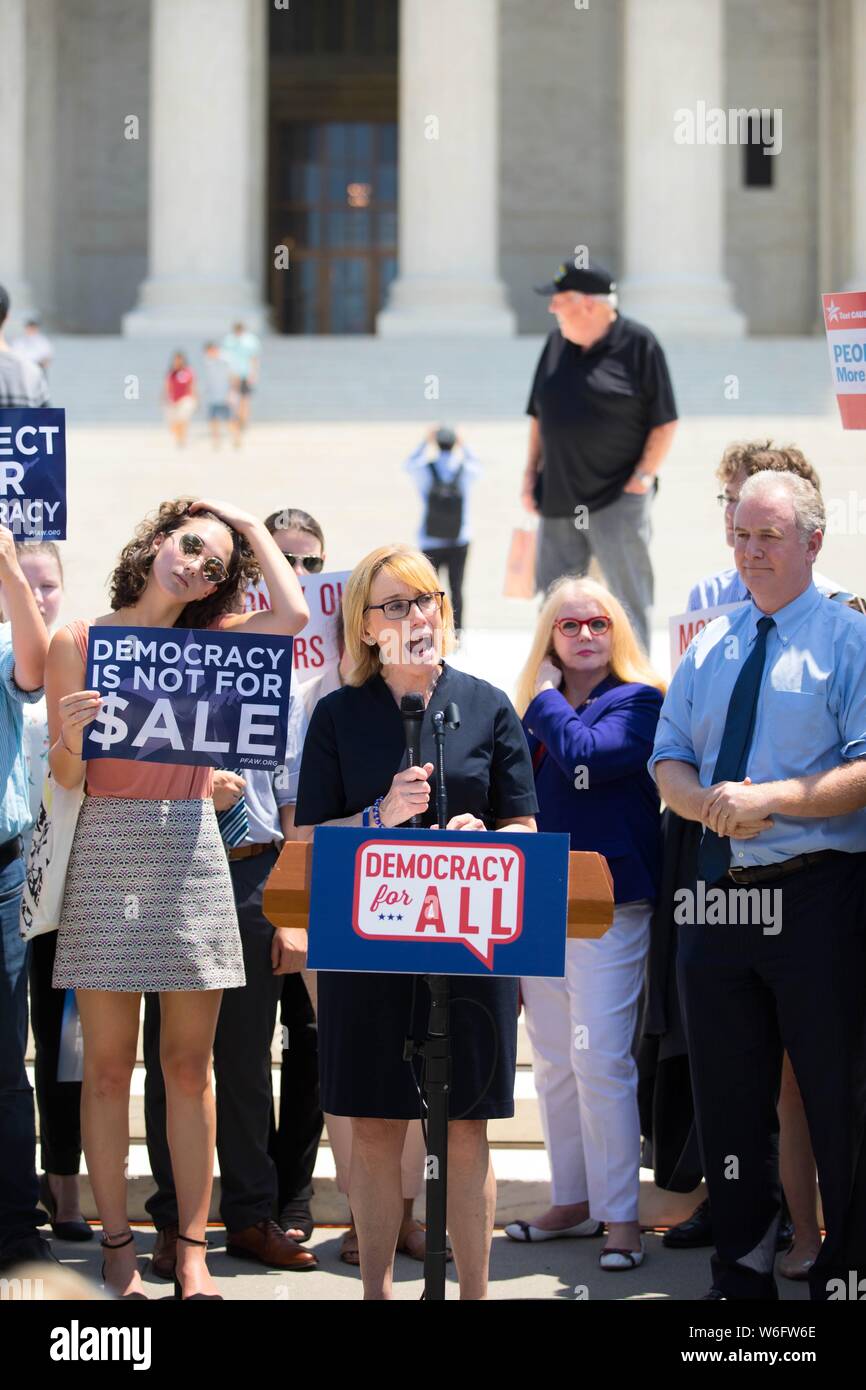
x=725 y=501
x=213 y=569
x=571 y=627
x=311 y=563
x=400 y=607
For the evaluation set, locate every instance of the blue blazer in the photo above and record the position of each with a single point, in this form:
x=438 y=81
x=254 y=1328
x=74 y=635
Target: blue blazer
x=616 y=811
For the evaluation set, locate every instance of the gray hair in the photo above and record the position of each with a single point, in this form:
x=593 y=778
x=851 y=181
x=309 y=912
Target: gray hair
x=809 y=512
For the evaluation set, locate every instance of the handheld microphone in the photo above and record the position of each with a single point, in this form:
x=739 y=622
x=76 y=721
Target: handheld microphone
x=412 y=714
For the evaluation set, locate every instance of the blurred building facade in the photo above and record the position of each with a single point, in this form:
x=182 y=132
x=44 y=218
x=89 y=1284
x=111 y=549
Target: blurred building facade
x=415 y=166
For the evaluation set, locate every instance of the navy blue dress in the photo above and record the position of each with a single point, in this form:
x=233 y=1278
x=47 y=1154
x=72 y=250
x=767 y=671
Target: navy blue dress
x=354 y=746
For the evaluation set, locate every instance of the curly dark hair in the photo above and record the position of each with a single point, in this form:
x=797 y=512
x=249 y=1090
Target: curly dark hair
x=130 y=574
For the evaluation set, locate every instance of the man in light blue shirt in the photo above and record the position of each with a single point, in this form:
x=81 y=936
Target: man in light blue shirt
x=23 y=649
x=772 y=946
x=250 y=1195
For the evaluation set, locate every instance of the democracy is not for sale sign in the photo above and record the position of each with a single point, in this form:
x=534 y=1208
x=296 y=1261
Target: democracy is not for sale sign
x=185 y=695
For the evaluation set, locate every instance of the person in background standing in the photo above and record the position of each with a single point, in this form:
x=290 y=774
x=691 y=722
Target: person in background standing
x=242 y=350
x=179 y=397
x=218 y=397
x=34 y=346
x=444 y=482
x=22 y=383
x=603 y=421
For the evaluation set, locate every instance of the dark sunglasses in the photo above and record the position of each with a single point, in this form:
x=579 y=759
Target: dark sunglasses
x=571 y=627
x=311 y=563
x=213 y=569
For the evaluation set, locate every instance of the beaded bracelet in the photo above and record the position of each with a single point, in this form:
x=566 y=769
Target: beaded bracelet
x=377 y=819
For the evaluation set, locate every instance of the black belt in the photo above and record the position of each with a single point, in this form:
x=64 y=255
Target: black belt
x=763 y=873
x=11 y=850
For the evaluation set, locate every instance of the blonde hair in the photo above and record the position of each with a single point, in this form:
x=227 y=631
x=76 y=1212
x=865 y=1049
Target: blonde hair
x=628 y=662
x=404 y=563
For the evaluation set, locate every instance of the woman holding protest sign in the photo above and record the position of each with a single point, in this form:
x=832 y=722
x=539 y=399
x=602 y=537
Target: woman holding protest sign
x=398 y=624
x=148 y=902
x=590 y=703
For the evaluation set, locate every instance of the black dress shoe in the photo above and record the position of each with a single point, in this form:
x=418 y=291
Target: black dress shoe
x=692 y=1234
x=64 y=1230
x=26 y=1249
x=714 y=1296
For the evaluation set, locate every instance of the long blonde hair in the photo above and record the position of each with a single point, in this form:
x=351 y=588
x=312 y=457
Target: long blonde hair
x=404 y=563
x=628 y=662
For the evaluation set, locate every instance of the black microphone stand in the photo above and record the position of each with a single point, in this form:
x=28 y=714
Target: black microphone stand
x=436 y=1052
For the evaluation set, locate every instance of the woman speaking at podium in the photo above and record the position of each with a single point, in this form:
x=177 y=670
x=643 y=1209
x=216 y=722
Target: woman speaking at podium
x=398 y=624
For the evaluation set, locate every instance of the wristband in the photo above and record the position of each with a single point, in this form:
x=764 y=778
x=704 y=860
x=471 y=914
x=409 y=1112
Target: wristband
x=365 y=817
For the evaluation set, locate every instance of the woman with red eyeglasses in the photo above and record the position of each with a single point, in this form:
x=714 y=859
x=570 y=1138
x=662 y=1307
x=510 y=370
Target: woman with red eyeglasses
x=590 y=703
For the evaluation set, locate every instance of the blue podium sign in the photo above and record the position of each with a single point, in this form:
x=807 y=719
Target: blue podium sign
x=438 y=902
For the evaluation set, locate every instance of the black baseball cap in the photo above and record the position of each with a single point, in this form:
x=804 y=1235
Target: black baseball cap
x=591 y=279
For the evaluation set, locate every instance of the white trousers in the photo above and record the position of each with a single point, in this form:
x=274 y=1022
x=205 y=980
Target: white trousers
x=582 y=1029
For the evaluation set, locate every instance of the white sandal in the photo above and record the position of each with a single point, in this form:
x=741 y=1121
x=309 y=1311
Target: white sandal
x=622 y=1259
x=523 y=1231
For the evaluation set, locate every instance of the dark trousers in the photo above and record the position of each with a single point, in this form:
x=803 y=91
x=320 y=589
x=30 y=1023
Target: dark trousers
x=295 y=1143
x=242 y=1068
x=747 y=996
x=59 y=1102
x=19 y=1189
x=454 y=557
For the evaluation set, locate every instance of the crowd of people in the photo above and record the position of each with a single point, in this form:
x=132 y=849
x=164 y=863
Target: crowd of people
x=729 y=804
x=228 y=377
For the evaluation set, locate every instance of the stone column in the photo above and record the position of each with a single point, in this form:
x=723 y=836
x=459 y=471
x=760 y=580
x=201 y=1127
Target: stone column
x=856 y=128
x=673 y=274
x=13 y=80
x=201 y=172
x=448 y=280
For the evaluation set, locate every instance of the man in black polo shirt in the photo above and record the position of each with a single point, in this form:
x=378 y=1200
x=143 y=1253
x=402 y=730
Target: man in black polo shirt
x=603 y=418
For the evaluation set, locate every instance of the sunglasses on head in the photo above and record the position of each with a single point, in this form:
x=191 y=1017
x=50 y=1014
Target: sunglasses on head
x=213 y=569
x=571 y=627
x=311 y=563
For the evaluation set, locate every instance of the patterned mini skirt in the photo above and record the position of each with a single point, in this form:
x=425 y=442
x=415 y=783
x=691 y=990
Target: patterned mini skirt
x=148 y=903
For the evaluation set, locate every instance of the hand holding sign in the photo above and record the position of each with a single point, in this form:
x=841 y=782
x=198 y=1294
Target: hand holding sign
x=76 y=712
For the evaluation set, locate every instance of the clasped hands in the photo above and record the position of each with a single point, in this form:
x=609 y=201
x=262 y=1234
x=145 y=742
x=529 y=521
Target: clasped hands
x=737 y=810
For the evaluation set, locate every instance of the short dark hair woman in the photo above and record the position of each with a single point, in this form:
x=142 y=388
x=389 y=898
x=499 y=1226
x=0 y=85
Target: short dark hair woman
x=148 y=902
x=397 y=625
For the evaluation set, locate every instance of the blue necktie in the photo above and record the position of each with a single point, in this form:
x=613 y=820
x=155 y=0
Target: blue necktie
x=234 y=824
x=714 y=853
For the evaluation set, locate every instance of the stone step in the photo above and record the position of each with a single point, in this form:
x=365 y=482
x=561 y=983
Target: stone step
x=523 y=1190
x=523 y=1129
x=524 y=1050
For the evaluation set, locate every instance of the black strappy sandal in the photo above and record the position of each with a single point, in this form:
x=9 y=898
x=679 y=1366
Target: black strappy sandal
x=107 y=1245
x=178 y=1291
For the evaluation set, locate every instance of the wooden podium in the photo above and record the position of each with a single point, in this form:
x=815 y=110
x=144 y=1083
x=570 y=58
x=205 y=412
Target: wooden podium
x=286 y=901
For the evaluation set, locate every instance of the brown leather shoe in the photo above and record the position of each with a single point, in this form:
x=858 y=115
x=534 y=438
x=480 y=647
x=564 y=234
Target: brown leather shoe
x=269 y=1245
x=164 y=1257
